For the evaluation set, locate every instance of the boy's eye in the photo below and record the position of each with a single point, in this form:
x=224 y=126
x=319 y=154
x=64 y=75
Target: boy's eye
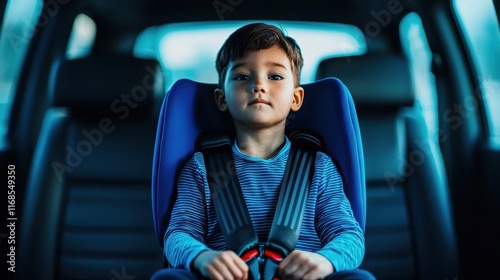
x=276 y=77
x=241 y=78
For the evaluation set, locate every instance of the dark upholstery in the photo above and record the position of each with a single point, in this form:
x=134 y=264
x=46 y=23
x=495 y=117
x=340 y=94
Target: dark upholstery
x=88 y=205
x=409 y=229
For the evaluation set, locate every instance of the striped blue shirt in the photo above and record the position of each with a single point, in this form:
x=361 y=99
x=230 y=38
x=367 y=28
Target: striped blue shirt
x=328 y=228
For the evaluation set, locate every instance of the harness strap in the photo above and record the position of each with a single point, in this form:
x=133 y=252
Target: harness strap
x=229 y=203
x=231 y=209
x=285 y=229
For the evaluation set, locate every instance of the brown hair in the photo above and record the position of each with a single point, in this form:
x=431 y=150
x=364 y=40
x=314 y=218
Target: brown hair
x=254 y=37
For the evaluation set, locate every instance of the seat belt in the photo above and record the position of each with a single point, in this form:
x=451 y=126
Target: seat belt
x=231 y=208
x=229 y=203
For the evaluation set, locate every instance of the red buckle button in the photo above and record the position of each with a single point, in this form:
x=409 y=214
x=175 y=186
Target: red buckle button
x=273 y=255
x=250 y=255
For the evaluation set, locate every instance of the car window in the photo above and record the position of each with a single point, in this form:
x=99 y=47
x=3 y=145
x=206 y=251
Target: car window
x=479 y=23
x=188 y=50
x=417 y=50
x=18 y=26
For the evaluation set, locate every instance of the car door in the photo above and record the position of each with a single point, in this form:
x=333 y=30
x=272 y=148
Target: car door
x=465 y=43
x=479 y=27
x=18 y=21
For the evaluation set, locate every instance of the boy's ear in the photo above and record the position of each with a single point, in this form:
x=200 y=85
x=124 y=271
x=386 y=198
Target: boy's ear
x=220 y=99
x=298 y=98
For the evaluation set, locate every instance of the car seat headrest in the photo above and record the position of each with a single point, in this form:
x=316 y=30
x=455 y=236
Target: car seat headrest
x=106 y=83
x=382 y=80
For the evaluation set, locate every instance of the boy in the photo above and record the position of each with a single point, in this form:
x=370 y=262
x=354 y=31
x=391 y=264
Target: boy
x=259 y=76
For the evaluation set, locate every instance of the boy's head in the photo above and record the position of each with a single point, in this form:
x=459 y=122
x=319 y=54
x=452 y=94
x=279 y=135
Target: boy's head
x=254 y=37
x=259 y=69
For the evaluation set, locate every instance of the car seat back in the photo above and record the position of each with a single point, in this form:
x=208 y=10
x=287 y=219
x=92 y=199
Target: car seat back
x=189 y=109
x=88 y=201
x=409 y=230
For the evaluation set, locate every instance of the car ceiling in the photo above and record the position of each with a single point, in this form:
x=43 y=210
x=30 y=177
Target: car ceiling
x=122 y=20
x=140 y=14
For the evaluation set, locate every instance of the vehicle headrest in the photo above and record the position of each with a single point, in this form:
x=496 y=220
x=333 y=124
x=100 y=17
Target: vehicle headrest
x=382 y=80
x=106 y=83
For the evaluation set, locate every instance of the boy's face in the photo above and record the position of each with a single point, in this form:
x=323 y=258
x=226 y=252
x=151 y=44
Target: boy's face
x=259 y=89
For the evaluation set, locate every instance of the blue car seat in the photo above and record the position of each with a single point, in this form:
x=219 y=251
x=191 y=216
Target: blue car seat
x=189 y=109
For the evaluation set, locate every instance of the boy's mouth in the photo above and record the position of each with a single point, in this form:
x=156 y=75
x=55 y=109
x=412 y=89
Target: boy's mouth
x=258 y=100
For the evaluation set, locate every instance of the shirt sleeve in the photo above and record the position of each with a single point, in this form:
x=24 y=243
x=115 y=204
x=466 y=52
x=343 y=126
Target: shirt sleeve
x=185 y=234
x=335 y=223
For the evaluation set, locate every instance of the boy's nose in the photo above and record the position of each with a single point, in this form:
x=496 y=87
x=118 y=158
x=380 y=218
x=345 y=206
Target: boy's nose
x=259 y=86
x=258 y=89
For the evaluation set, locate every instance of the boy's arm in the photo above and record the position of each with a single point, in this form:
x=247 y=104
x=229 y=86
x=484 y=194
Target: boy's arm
x=185 y=235
x=336 y=226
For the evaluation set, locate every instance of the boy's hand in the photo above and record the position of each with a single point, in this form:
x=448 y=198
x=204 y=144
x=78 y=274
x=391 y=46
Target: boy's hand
x=305 y=265
x=221 y=265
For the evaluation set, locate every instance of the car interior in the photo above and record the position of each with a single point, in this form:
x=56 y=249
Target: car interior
x=81 y=115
